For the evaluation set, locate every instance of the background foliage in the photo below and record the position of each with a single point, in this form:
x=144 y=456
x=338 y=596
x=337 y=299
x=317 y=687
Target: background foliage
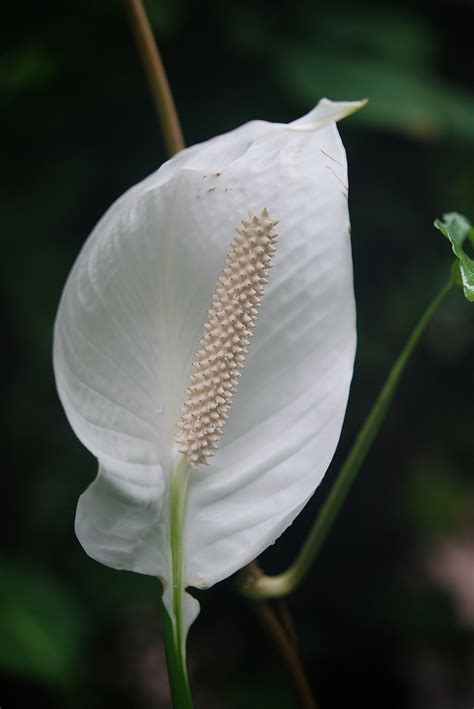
x=387 y=617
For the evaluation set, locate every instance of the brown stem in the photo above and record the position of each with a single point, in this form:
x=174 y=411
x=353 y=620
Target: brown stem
x=283 y=635
x=288 y=622
x=156 y=75
x=288 y=652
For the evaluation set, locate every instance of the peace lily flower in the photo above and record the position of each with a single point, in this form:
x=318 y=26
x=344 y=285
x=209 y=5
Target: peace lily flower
x=130 y=323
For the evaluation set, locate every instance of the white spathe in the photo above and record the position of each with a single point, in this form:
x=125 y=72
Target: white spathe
x=130 y=321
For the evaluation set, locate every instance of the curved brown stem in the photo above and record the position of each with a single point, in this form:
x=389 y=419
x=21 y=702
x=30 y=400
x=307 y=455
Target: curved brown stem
x=156 y=76
x=288 y=652
x=288 y=622
x=283 y=636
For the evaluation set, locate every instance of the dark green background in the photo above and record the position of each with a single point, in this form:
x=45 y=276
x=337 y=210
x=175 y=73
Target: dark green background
x=376 y=629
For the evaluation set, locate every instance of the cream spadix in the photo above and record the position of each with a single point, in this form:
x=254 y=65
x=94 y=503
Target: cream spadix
x=130 y=322
x=227 y=333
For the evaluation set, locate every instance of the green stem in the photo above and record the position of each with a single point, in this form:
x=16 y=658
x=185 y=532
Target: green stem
x=156 y=75
x=178 y=497
x=173 y=622
x=177 y=672
x=263 y=587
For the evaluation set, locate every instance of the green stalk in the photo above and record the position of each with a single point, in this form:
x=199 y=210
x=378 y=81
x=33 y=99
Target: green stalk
x=173 y=625
x=177 y=671
x=259 y=586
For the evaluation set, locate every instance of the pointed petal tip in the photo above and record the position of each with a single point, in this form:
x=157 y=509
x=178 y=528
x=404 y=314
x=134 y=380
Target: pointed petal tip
x=327 y=111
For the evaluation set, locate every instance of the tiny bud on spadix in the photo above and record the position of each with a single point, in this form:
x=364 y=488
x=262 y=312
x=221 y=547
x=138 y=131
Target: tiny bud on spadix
x=237 y=298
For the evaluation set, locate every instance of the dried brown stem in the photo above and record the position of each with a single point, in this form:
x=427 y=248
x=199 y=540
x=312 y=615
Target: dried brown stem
x=288 y=652
x=283 y=636
x=156 y=76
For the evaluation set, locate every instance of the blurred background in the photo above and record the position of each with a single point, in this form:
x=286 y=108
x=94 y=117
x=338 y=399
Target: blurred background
x=387 y=616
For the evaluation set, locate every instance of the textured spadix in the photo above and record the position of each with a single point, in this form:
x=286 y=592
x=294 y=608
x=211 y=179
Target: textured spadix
x=235 y=305
x=130 y=322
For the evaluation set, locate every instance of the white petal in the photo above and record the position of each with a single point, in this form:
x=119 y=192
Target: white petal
x=126 y=332
x=288 y=412
x=123 y=524
x=130 y=321
x=327 y=112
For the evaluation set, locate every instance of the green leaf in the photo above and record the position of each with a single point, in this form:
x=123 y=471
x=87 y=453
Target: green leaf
x=458 y=230
x=26 y=69
x=417 y=104
x=437 y=500
x=40 y=626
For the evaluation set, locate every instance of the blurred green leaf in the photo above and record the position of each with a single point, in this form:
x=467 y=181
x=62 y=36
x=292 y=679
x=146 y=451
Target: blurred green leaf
x=383 y=33
x=40 y=626
x=458 y=230
x=387 y=55
x=414 y=103
x=165 y=16
x=27 y=68
x=436 y=501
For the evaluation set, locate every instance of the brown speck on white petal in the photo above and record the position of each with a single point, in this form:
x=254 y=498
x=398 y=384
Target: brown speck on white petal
x=225 y=341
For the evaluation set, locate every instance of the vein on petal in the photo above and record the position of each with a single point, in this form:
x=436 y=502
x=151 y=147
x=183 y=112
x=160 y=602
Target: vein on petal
x=105 y=397
x=111 y=361
x=108 y=309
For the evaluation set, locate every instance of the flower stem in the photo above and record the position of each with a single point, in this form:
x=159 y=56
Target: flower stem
x=178 y=497
x=173 y=616
x=156 y=75
x=177 y=672
x=260 y=586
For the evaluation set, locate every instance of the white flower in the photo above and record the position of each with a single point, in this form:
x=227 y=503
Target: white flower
x=129 y=325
